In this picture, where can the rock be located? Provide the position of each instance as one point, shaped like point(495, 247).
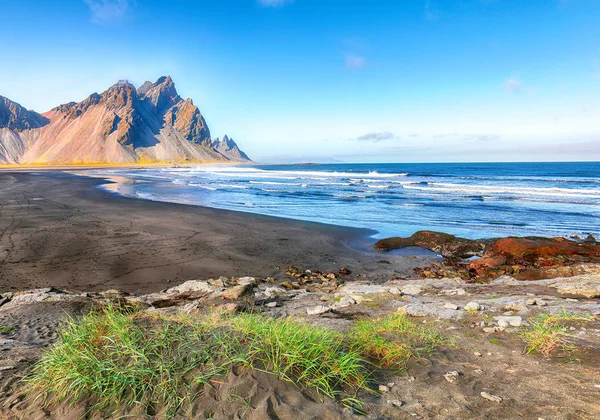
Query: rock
point(383, 388)
point(236, 292)
point(451, 306)
point(505, 321)
point(192, 286)
point(584, 286)
point(473, 306)
point(317, 310)
point(477, 354)
point(247, 280)
point(491, 397)
point(489, 330)
point(448, 246)
point(344, 272)
point(273, 292)
point(451, 376)
point(271, 305)
point(411, 290)
point(344, 302)
point(395, 403)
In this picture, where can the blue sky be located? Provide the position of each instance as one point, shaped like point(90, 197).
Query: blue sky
point(313, 80)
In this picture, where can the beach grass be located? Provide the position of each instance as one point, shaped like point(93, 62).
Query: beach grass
point(548, 333)
point(395, 339)
point(116, 360)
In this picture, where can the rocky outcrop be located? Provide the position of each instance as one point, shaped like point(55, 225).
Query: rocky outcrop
point(121, 125)
point(524, 258)
point(448, 246)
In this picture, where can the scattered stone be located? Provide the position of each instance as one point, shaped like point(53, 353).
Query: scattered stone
point(491, 397)
point(395, 403)
point(317, 310)
point(451, 306)
point(451, 376)
point(390, 385)
point(344, 272)
point(490, 330)
point(237, 292)
point(473, 306)
point(247, 280)
point(477, 354)
point(271, 305)
point(505, 321)
point(383, 388)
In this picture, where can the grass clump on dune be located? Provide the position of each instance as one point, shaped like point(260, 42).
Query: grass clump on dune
point(395, 339)
point(116, 361)
point(548, 333)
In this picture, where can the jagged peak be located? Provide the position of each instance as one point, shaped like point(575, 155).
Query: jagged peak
point(162, 95)
point(16, 117)
point(142, 90)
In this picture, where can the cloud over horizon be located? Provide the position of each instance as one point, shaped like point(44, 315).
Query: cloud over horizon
point(376, 137)
point(513, 85)
point(109, 11)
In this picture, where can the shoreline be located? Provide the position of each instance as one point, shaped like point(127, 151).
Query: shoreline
point(58, 229)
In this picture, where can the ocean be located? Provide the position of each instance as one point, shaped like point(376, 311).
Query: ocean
point(472, 200)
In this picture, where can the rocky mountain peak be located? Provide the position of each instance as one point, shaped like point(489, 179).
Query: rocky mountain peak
point(15, 117)
point(228, 148)
point(161, 95)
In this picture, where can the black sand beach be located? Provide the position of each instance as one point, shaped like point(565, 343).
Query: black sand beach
point(58, 229)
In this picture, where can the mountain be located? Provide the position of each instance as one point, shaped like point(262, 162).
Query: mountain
point(151, 124)
point(227, 147)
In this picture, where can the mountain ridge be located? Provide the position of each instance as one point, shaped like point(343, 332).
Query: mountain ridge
point(122, 125)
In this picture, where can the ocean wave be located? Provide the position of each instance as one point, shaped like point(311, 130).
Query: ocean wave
point(206, 187)
point(503, 189)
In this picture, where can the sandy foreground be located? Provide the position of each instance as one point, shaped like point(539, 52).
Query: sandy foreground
point(59, 230)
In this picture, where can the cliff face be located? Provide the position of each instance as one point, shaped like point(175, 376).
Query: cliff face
point(121, 125)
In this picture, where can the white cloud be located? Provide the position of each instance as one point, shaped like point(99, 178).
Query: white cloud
point(274, 3)
point(513, 85)
point(376, 137)
point(108, 11)
point(354, 61)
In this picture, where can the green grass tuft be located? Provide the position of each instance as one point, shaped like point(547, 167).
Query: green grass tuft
point(548, 333)
point(395, 339)
point(7, 329)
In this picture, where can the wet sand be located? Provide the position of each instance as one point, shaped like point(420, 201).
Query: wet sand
point(61, 230)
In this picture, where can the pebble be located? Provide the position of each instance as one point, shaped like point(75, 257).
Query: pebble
point(390, 385)
point(473, 306)
point(477, 354)
point(271, 305)
point(451, 306)
point(451, 376)
point(396, 403)
point(491, 397)
point(505, 321)
point(383, 388)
